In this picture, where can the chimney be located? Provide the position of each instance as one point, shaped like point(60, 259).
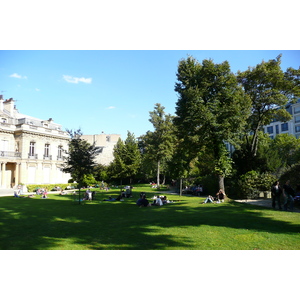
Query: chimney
point(9, 105)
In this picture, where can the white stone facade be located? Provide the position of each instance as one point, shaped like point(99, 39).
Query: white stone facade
point(107, 143)
point(31, 149)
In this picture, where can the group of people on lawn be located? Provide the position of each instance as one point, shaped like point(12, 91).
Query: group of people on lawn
point(287, 193)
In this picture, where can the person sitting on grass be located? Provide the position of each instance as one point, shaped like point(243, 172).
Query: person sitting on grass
point(220, 196)
point(143, 202)
point(157, 201)
point(45, 193)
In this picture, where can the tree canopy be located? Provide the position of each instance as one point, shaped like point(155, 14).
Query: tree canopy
point(212, 108)
point(270, 89)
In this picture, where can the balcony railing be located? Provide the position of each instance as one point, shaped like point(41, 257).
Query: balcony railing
point(10, 154)
point(47, 157)
point(32, 156)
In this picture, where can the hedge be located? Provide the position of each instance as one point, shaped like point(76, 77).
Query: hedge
point(33, 187)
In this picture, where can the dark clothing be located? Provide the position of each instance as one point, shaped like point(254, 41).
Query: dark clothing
point(289, 190)
point(276, 192)
point(142, 202)
point(221, 196)
point(289, 197)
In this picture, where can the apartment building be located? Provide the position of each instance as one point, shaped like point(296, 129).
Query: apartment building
point(290, 127)
point(31, 149)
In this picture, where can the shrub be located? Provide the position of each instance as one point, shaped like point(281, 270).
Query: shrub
point(251, 183)
point(33, 187)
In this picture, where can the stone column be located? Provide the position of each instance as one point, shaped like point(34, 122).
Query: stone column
point(17, 173)
point(3, 178)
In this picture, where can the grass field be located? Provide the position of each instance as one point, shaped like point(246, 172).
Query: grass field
point(57, 223)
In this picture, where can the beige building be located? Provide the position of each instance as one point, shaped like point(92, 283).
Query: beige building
point(107, 143)
point(31, 149)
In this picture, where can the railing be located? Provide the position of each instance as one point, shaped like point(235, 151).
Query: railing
point(34, 156)
point(48, 157)
point(10, 154)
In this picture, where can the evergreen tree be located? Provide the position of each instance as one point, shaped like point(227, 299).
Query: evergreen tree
point(127, 158)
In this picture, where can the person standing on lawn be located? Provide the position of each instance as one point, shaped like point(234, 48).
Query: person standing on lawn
point(276, 192)
point(289, 195)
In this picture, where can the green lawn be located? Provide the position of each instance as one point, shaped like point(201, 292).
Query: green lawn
point(58, 223)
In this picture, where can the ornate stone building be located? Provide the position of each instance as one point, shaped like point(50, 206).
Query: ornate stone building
point(31, 149)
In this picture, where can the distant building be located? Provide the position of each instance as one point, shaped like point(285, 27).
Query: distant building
point(291, 127)
point(107, 143)
point(31, 149)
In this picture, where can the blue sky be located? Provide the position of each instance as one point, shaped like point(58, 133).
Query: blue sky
point(109, 91)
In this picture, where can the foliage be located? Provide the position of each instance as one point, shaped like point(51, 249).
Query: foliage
point(288, 148)
point(101, 172)
point(269, 89)
point(127, 158)
point(158, 145)
point(33, 187)
point(80, 159)
point(88, 180)
point(212, 108)
point(267, 158)
point(251, 183)
point(292, 174)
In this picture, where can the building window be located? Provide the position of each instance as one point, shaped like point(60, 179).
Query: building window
point(297, 110)
point(297, 128)
point(270, 129)
point(297, 119)
point(108, 138)
point(284, 127)
point(3, 120)
point(32, 149)
point(277, 129)
point(59, 153)
point(47, 150)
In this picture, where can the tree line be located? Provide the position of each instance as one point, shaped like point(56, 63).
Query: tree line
point(214, 107)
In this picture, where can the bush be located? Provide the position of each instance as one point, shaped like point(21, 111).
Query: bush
point(33, 187)
point(251, 183)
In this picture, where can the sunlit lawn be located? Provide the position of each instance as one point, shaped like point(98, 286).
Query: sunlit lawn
point(58, 223)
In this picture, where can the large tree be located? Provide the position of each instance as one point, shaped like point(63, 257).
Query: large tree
point(127, 158)
point(159, 144)
point(80, 158)
point(270, 90)
point(211, 108)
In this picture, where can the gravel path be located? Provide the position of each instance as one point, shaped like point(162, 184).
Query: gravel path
point(263, 202)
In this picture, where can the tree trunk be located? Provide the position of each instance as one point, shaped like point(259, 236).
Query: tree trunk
point(221, 183)
point(180, 187)
point(158, 171)
point(164, 180)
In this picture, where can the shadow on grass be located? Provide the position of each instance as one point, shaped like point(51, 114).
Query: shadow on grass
point(57, 224)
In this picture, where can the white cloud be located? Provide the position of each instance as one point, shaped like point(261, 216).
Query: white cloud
point(111, 107)
point(37, 89)
point(16, 75)
point(77, 79)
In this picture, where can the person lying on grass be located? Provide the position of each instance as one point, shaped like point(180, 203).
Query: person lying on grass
point(209, 199)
